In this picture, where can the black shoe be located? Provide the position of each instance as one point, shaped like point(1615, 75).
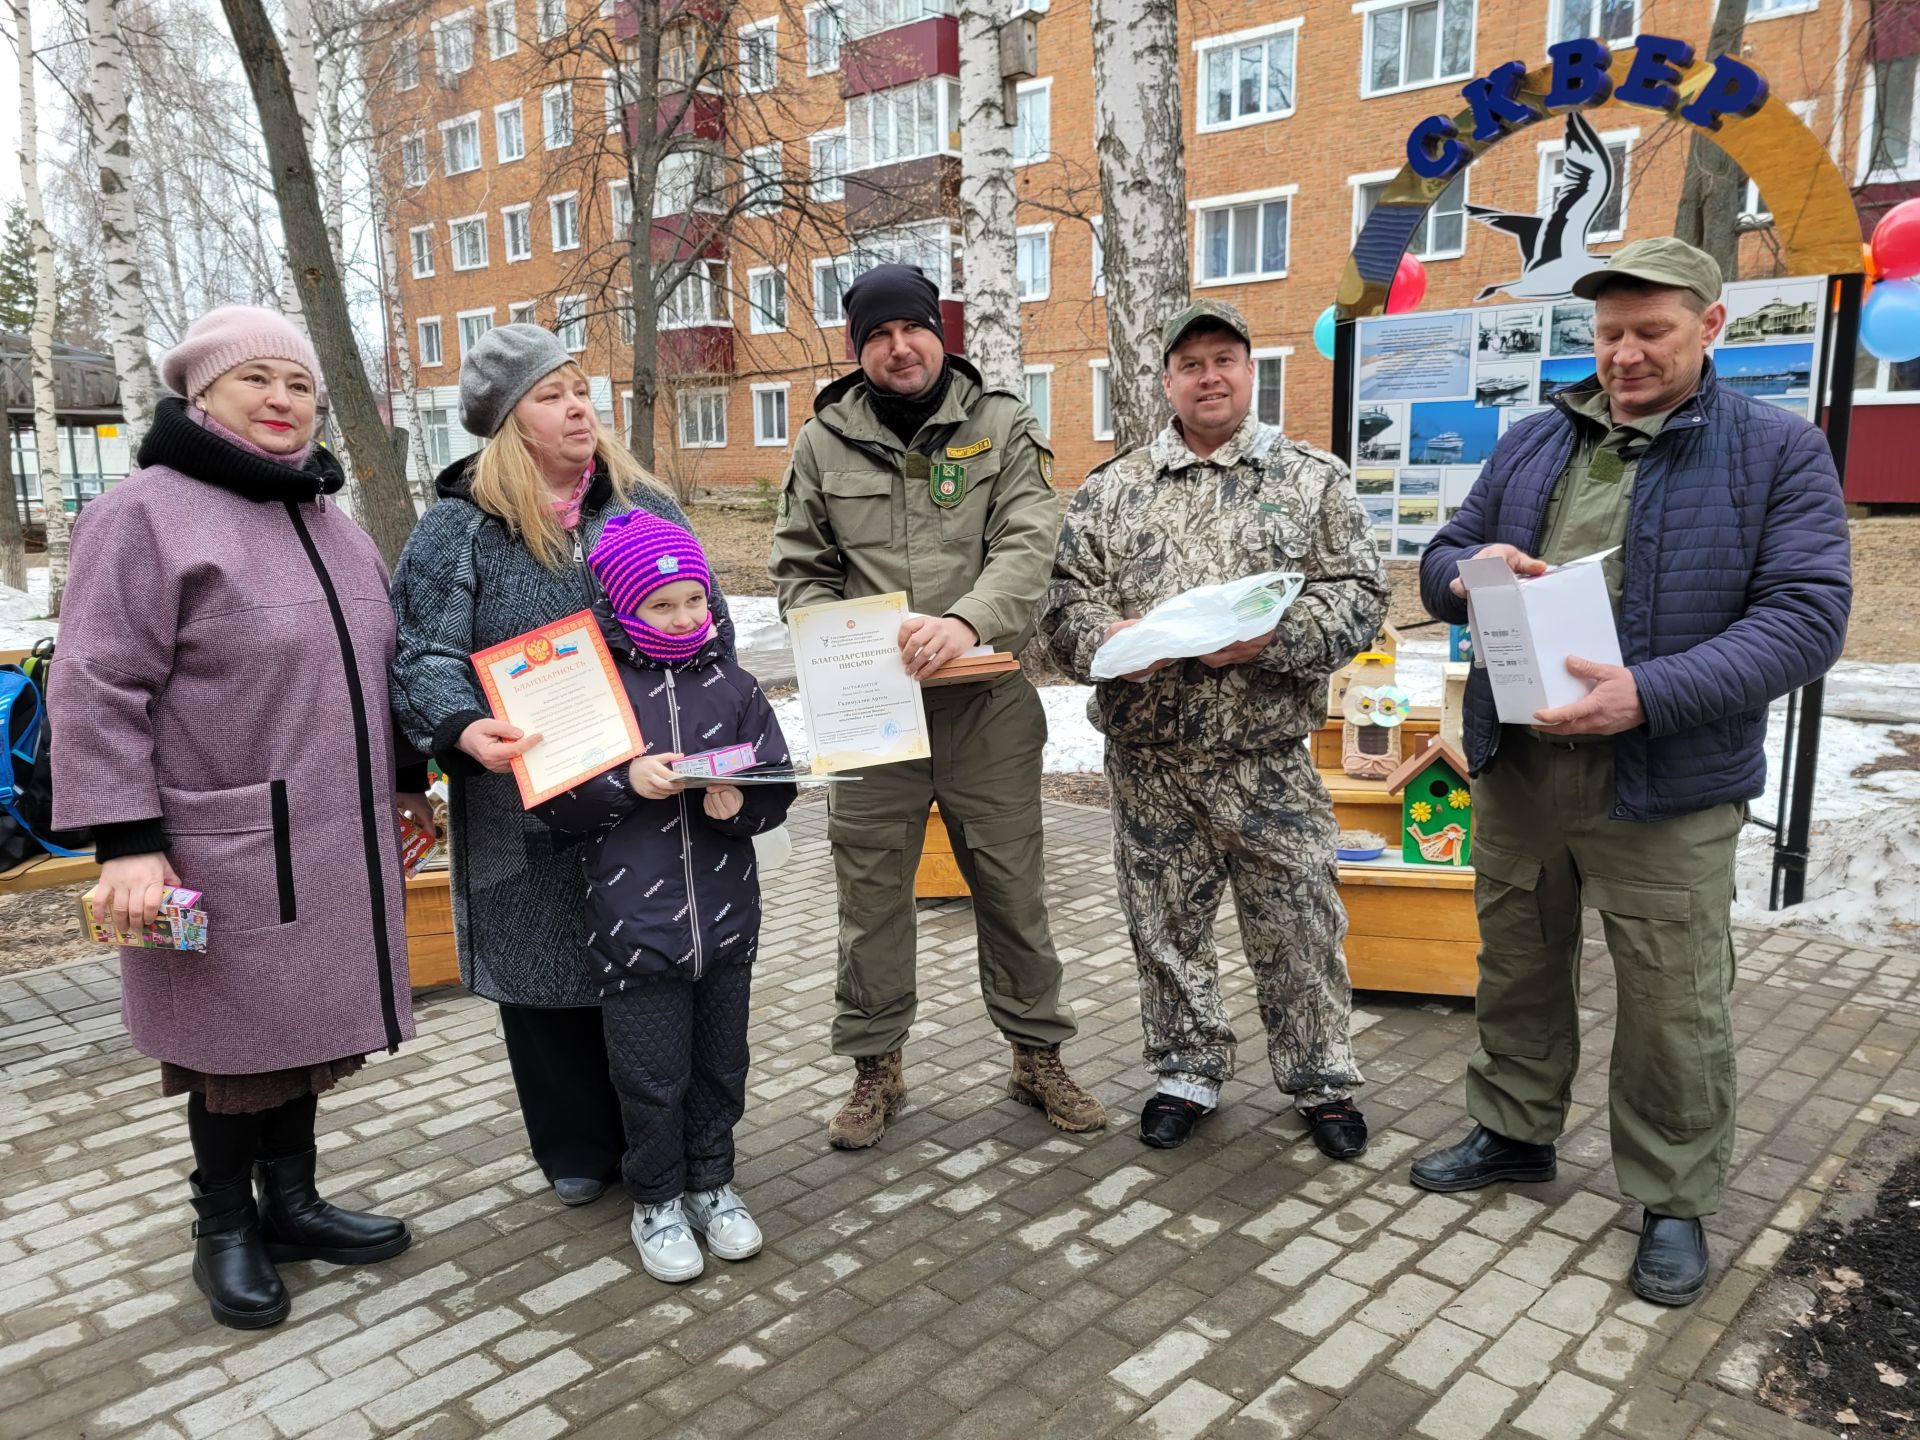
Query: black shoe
point(1338, 1129)
point(298, 1225)
point(1482, 1158)
point(578, 1190)
point(1670, 1267)
point(1167, 1121)
point(230, 1261)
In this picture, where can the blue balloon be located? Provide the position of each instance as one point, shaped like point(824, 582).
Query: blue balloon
point(1889, 321)
point(1323, 329)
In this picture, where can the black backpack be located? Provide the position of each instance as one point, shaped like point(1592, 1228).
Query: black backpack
point(26, 767)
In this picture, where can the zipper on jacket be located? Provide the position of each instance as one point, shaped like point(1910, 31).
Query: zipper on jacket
point(370, 814)
point(686, 825)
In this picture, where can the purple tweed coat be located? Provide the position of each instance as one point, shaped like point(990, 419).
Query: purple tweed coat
point(222, 669)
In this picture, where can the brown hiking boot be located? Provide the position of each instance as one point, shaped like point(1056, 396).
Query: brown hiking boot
point(878, 1089)
point(1040, 1080)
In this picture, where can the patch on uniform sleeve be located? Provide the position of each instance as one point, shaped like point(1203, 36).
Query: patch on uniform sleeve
point(1046, 466)
point(967, 452)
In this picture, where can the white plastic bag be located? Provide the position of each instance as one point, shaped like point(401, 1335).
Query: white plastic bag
point(1199, 621)
point(772, 849)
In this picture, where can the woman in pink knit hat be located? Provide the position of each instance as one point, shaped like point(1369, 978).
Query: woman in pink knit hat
point(222, 724)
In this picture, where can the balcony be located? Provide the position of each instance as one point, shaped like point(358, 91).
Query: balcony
point(900, 55)
point(698, 232)
point(704, 116)
point(626, 17)
point(697, 350)
point(900, 194)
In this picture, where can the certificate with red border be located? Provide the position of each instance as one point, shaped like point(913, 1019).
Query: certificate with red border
point(559, 682)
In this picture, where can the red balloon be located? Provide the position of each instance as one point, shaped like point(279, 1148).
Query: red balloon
point(1409, 286)
point(1896, 242)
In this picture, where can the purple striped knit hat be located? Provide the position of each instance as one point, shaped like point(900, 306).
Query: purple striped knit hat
point(637, 553)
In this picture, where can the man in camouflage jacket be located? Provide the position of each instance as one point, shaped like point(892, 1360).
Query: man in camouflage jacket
point(1210, 779)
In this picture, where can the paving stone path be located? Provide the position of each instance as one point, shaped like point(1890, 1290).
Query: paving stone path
point(976, 1275)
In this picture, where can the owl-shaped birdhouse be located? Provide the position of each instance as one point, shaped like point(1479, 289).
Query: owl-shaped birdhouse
point(1436, 807)
point(1372, 711)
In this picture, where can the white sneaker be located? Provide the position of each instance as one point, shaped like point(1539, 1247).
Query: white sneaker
point(667, 1248)
point(721, 1215)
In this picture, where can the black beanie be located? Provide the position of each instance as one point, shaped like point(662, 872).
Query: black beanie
point(892, 292)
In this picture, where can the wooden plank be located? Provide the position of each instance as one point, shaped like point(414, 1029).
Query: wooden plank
point(45, 872)
point(938, 876)
point(1432, 967)
point(432, 958)
point(1412, 914)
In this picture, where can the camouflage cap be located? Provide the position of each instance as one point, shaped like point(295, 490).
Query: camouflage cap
point(1662, 260)
point(1212, 312)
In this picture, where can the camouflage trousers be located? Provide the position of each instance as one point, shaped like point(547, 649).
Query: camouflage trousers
point(1185, 826)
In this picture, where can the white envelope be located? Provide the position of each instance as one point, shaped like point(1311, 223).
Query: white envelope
point(1525, 628)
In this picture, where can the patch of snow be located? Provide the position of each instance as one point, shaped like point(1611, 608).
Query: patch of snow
point(22, 613)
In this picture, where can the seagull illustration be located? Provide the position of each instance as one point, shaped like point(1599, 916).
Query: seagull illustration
point(1553, 247)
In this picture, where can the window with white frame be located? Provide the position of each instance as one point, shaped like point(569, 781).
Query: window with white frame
point(904, 123)
point(1032, 121)
point(760, 185)
point(1441, 235)
point(612, 100)
point(413, 159)
point(1033, 261)
point(469, 242)
point(570, 321)
point(1892, 133)
point(420, 245)
point(760, 55)
point(550, 17)
point(1030, 7)
point(436, 427)
point(502, 40)
point(827, 165)
point(406, 62)
point(473, 324)
point(699, 299)
point(1102, 400)
point(509, 136)
point(1270, 385)
point(680, 52)
point(1040, 395)
point(460, 144)
point(1246, 76)
point(556, 116)
point(623, 316)
point(1754, 214)
point(870, 17)
point(563, 214)
point(453, 44)
point(825, 31)
point(524, 312)
point(516, 227)
point(766, 301)
point(1885, 382)
point(770, 414)
point(1422, 43)
point(620, 208)
point(429, 332)
point(703, 419)
point(1603, 19)
point(932, 246)
point(1244, 237)
point(1099, 226)
point(830, 281)
point(1762, 9)
point(1610, 221)
point(689, 180)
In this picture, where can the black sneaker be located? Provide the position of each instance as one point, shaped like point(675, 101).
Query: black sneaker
point(1338, 1128)
point(1167, 1121)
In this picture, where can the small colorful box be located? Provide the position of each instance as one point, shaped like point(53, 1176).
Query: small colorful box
point(712, 764)
point(180, 925)
point(416, 843)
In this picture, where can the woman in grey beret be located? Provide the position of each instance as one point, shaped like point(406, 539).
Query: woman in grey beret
point(503, 551)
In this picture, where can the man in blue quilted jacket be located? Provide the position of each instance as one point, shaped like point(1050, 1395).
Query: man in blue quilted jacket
point(1731, 583)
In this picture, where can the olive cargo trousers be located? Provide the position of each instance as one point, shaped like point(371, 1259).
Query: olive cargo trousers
point(1543, 844)
point(987, 741)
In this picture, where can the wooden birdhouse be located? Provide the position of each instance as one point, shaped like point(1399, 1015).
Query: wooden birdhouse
point(1386, 643)
point(1372, 712)
point(1436, 807)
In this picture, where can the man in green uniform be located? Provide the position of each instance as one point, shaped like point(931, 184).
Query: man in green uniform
point(912, 475)
point(1730, 582)
point(1211, 782)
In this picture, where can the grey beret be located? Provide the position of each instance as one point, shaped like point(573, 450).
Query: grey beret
point(500, 368)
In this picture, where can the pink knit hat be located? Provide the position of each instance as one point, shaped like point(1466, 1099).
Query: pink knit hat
point(230, 336)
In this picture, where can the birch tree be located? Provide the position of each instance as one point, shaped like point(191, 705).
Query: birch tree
point(1143, 198)
point(53, 495)
point(989, 243)
point(119, 224)
point(1709, 213)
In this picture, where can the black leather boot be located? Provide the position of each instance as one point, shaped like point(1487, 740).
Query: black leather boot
point(1481, 1159)
point(299, 1225)
point(230, 1261)
point(1670, 1266)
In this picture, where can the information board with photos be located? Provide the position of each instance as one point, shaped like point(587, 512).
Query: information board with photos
point(1436, 390)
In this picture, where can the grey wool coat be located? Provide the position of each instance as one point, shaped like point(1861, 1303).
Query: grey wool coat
point(463, 583)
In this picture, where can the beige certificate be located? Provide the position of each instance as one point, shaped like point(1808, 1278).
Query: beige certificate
point(860, 705)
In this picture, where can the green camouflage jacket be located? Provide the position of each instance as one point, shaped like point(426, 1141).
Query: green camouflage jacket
point(963, 521)
point(1159, 520)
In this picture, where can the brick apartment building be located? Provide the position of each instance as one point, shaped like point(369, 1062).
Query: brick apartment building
point(502, 168)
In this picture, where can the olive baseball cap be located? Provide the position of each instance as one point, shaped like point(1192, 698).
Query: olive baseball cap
point(1209, 312)
point(1661, 260)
